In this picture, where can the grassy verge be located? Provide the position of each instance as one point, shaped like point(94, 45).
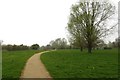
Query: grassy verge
point(13, 62)
point(76, 64)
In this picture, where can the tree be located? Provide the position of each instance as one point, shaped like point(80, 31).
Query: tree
point(63, 43)
point(116, 43)
point(100, 44)
point(48, 47)
point(35, 46)
point(76, 42)
point(58, 43)
point(87, 22)
point(43, 48)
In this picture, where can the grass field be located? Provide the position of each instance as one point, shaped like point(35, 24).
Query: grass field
point(76, 64)
point(13, 62)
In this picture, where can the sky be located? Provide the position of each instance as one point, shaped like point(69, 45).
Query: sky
point(36, 21)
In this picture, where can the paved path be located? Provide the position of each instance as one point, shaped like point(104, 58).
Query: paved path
point(34, 68)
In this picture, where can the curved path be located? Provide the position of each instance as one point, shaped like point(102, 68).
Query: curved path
point(34, 68)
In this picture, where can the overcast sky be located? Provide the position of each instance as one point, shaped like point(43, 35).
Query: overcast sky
point(35, 21)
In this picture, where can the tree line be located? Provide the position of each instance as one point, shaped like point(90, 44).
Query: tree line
point(19, 47)
point(61, 43)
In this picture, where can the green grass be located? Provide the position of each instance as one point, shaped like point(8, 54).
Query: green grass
point(76, 64)
point(13, 62)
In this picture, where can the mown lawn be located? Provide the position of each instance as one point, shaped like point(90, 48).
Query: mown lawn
point(76, 64)
point(13, 62)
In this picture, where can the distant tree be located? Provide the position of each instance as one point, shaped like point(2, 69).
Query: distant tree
point(43, 48)
point(76, 42)
point(58, 43)
point(116, 43)
point(110, 44)
point(9, 47)
point(63, 43)
point(15, 47)
point(53, 44)
point(99, 44)
point(35, 46)
point(48, 47)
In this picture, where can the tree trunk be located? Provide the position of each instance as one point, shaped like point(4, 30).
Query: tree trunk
point(81, 48)
point(90, 47)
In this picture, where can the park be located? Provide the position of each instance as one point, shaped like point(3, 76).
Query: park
point(84, 53)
